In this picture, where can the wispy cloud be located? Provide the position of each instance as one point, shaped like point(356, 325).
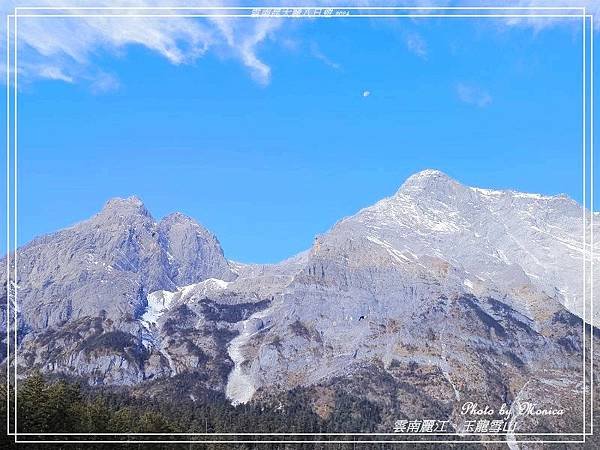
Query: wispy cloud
point(242, 39)
point(537, 23)
point(473, 95)
point(65, 49)
point(104, 82)
point(54, 73)
point(317, 53)
point(416, 44)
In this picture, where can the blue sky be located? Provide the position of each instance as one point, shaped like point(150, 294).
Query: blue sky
point(267, 161)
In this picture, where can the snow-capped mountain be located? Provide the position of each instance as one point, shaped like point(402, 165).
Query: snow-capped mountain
point(419, 267)
point(496, 242)
point(452, 290)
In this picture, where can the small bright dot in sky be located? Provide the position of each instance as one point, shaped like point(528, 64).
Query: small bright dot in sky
point(366, 93)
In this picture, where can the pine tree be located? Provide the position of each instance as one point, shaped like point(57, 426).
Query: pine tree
point(123, 421)
point(152, 422)
point(96, 417)
point(32, 406)
point(63, 400)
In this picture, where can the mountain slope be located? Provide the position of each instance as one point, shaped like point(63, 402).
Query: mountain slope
point(465, 286)
point(100, 272)
point(111, 262)
point(502, 241)
point(442, 292)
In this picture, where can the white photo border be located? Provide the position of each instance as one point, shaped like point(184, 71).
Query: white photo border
point(215, 11)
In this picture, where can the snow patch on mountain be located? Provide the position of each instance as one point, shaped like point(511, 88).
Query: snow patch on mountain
point(158, 303)
point(241, 386)
point(206, 287)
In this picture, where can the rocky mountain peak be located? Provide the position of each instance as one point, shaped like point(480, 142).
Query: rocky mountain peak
point(177, 217)
point(129, 206)
point(428, 178)
point(422, 283)
point(195, 252)
point(182, 221)
point(186, 227)
point(432, 183)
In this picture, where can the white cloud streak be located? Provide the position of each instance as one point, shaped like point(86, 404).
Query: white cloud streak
point(316, 52)
point(538, 23)
point(416, 44)
point(54, 73)
point(66, 49)
point(473, 95)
